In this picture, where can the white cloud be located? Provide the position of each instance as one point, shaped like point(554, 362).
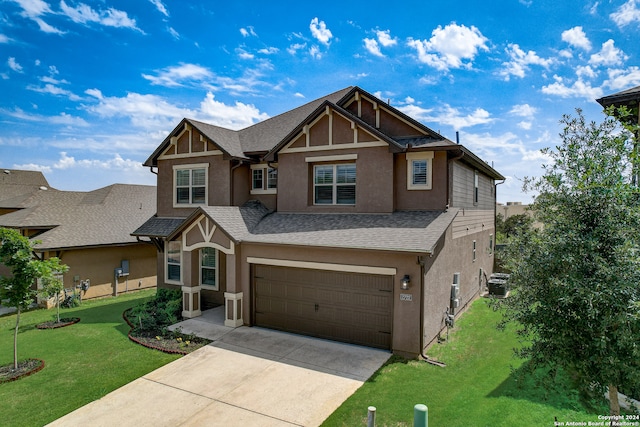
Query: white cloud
point(178, 75)
point(523, 110)
point(372, 46)
point(32, 167)
point(4, 39)
point(14, 65)
point(174, 33)
point(294, 48)
point(269, 50)
point(586, 71)
point(298, 95)
point(445, 115)
point(34, 10)
point(243, 54)
point(579, 89)
point(320, 31)
point(520, 62)
point(623, 78)
point(314, 52)
point(235, 116)
point(626, 14)
point(249, 31)
point(609, 55)
point(576, 38)
point(111, 17)
point(63, 119)
point(51, 89)
point(450, 46)
point(117, 163)
point(160, 6)
point(385, 39)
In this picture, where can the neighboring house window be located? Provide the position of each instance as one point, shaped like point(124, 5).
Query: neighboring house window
point(419, 170)
point(209, 268)
point(475, 187)
point(174, 260)
point(264, 179)
point(190, 185)
point(474, 251)
point(334, 184)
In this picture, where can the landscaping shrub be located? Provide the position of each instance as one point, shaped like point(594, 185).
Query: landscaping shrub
point(154, 316)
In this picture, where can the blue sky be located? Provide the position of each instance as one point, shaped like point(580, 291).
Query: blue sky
point(90, 89)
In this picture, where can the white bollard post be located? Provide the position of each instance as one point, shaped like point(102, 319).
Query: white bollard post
point(371, 417)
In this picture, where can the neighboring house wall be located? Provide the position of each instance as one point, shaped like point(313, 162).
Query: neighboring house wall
point(98, 264)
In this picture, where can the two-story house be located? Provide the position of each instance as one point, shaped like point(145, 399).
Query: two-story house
point(343, 219)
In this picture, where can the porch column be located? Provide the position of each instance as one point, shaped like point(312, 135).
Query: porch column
point(233, 296)
point(190, 290)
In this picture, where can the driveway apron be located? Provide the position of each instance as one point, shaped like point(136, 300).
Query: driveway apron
point(247, 376)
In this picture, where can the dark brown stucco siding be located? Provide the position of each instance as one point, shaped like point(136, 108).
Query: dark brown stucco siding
point(374, 181)
point(434, 199)
point(406, 314)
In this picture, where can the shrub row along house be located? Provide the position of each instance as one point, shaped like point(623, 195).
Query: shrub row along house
point(343, 219)
point(89, 231)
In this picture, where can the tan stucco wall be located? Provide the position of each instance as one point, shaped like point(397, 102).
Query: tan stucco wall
point(374, 181)
point(98, 266)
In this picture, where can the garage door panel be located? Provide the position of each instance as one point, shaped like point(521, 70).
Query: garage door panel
point(350, 307)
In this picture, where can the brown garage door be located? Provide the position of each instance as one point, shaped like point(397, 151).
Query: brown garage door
point(350, 307)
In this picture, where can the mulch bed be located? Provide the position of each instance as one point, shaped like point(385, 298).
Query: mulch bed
point(179, 345)
point(25, 368)
point(53, 324)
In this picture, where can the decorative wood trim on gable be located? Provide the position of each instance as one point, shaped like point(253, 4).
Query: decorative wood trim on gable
point(330, 145)
point(206, 238)
point(172, 152)
point(377, 107)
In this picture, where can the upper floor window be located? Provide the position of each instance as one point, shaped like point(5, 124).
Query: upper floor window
point(209, 268)
point(419, 170)
point(334, 184)
point(173, 261)
point(475, 187)
point(190, 185)
point(264, 179)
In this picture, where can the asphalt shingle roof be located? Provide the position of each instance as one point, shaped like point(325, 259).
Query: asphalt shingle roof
point(17, 186)
point(106, 216)
point(406, 231)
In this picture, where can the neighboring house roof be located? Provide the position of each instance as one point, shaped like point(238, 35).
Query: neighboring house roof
point(17, 186)
point(619, 98)
point(72, 219)
point(404, 231)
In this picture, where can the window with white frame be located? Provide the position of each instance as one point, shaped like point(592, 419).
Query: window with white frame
point(209, 268)
point(190, 185)
point(474, 251)
point(334, 184)
point(475, 187)
point(419, 170)
point(264, 179)
point(173, 260)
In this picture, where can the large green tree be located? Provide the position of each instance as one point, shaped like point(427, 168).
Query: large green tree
point(576, 282)
point(16, 253)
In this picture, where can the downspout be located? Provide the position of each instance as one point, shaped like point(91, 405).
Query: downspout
point(426, 358)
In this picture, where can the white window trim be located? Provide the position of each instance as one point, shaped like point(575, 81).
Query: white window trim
point(265, 179)
point(166, 265)
point(217, 285)
point(422, 155)
point(176, 168)
point(334, 185)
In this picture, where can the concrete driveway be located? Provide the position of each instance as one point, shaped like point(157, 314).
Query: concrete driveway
point(247, 376)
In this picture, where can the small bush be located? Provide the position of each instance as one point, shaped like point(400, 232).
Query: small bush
point(154, 316)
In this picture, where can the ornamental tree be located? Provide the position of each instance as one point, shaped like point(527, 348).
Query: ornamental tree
point(16, 253)
point(576, 282)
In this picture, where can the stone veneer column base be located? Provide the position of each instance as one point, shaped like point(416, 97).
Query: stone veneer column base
point(233, 309)
point(191, 301)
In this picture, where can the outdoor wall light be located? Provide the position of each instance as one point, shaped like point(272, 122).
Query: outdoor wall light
point(404, 283)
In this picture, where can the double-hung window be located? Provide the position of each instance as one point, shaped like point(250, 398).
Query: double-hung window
point(419, 170)
point(334, 184)
point(209, 268)
point(190, 185)
point(264, 179)
point(174, 261)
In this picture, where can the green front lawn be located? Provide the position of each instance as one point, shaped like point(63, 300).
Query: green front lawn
point(482, 385)
point(84, 361)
